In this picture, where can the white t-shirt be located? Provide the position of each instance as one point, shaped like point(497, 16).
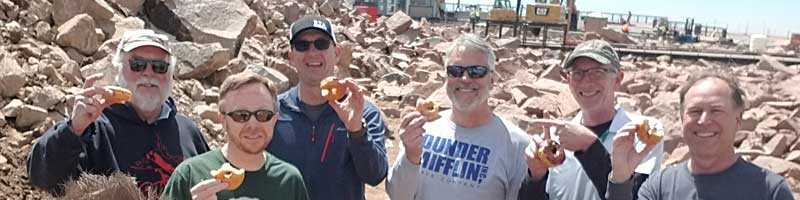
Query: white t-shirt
point(486, 162)
point(569, 181)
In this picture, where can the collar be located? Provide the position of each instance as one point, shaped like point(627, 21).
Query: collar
point(620, 118)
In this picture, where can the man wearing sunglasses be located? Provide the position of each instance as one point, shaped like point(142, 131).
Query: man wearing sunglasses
point(248, 113)
point(468, 153)
point(593, 74)
point(337, 145)
point(145, 137)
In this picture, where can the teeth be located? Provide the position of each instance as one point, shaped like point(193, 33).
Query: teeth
point(588, 93)
point(465, 89)
point(705, 134)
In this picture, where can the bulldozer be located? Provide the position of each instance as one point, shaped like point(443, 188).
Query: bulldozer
point(502, 11)
point(543, 12)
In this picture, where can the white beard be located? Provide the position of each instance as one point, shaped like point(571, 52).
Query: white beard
point(145, 102)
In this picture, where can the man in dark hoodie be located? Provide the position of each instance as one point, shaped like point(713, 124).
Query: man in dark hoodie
point(144, 137)
point(336, 145)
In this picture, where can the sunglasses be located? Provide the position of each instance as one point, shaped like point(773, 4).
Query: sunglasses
point(243, 116)
point(320, 44)
point(474, 72)
point(140, 64)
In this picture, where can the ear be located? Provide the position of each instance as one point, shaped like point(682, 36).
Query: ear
point(337, 50)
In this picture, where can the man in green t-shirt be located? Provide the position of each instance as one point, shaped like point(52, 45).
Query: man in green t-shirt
point(247, 111)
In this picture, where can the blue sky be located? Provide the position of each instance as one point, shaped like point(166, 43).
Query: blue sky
point(776, 16)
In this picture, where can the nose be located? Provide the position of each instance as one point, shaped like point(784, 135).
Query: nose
point(703, 118)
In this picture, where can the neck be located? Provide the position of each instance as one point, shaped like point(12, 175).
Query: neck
point(310, 95)
point(246, 161)
point(711, 164)
point(596, 117)
point(148, 116)
point(472, 118)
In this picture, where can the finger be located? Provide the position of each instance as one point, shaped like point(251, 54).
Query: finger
point(203, 185)
point(646, 150)
point(89, 82)
point(546, 133)
point(92, 91)
point(351, 85)
point(408, 118)
point(211, 189)
point(548, 122)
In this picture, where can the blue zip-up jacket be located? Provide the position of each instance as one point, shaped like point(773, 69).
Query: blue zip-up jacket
point(117, 141)
point(334, 166)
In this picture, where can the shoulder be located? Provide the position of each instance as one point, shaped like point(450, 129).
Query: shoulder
point(515, 134)
point(282, 167)
point(184, 121)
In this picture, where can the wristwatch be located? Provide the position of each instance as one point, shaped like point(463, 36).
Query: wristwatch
point(360, 132)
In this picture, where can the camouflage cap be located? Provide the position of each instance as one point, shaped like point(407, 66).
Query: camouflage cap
point(598, 50)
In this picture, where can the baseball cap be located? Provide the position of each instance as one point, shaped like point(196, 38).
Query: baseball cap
point(144, 37)
point(598, 50)
point(310, 22)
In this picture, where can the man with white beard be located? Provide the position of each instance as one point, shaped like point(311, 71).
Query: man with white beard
point(144, 137)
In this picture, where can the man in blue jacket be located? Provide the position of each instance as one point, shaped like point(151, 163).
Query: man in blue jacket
point(145, 137)
point(338, 145)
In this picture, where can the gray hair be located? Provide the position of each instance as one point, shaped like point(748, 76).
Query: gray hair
point(121, 56)
point(469, 40)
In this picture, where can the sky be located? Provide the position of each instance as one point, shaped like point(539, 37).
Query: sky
point(776, 17)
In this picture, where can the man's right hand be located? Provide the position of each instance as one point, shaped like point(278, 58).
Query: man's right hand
point(536, 166)
point(411, 135)
point(87, 108)
point(207, 190)
point(624, 157)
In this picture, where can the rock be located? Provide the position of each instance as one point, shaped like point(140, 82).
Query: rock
point(776, 165)
point(103, 66)
point(515, 115)
point(291, 12)
point(15, 31)
point(119, 26)
point(12, 108)
point(326, 8)
point(207, 112)
point(46, 97)
point(613, 36)
point(638, 87)
point(777, 145)
point(792, 122)
point(749, 120)
point(199, 60)
point(285, 68)
point(553, 72)
point(206, 21)
point(71, 72)
point(43, 32)
point(2, 120)
point(770, 64)
point(29, 115)
point(78, 33)
point(99, 10)
point(399, 22)
point(12, 76)
point(521, 92)
point(281, 81)
point(128, 7)
point(793, 156)
point(664, 59)
point(680, 154)
point(510, 43)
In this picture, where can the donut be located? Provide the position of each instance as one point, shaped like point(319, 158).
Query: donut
point(428, 109)
point(331, 89)
point(648, 135)
point(118, 95)
point(230, 175)
point(551, 153)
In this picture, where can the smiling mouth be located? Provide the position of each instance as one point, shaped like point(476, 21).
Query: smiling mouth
point(588, 94)
point(148, 85)
point(314, 64)
point(706, 134)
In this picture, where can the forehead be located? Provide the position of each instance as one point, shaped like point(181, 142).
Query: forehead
point(709, 91)
point(465, 55)
point(251, 95)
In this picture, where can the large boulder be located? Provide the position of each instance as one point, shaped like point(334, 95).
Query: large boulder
point(99, 10)
point(399, 22)
point(276, 77)
point(78, 32)
point(199, 60)
point(12, 77)
point(206, 21)
point(129, 7)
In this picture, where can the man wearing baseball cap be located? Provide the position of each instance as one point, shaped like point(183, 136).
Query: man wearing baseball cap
point(144, 137)
point(337, 145)
point(593, 74)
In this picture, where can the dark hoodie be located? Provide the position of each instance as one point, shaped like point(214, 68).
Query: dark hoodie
point(117, 141)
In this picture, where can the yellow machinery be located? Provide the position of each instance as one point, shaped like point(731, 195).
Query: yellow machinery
point(550, 13)
point(502, 11)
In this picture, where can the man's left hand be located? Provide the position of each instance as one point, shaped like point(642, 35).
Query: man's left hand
point(351, 110)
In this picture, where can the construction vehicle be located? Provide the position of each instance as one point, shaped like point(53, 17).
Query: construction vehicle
point(551, 13)
point(502, 11)
point(690, 32)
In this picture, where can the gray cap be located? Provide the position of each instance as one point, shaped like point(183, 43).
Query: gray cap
point(598, 50)
point(144, 37)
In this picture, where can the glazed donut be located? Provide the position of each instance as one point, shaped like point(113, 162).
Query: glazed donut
point(118, 95)
point(331, 89)
point(550, 152)
point(648, 135)
point(428, 109)
point(230, 175)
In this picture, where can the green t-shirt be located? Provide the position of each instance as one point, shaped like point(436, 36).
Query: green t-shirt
point(277, 180)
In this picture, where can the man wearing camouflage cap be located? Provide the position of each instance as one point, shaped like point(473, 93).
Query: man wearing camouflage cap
point(145, 137)
point(593, 74)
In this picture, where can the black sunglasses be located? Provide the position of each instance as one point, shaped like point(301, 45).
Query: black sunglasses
point(140, 64)
point(320, 44)
point(475, 71)
point(243, 116)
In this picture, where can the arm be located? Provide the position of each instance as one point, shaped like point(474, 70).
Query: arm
point(54, 157)
point(782, 192)
point(368, 150)
point(404, 178)
point(620, 191)
point(533, 189)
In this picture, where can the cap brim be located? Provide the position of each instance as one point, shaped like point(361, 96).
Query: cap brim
point(301, 31)
point(594, 56)
point(136, 44)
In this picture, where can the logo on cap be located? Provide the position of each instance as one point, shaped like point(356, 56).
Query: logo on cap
point(320, 24)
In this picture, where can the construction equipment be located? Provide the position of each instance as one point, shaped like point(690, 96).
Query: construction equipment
point(502, 11)
point(551, 13)
point(689, 34)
